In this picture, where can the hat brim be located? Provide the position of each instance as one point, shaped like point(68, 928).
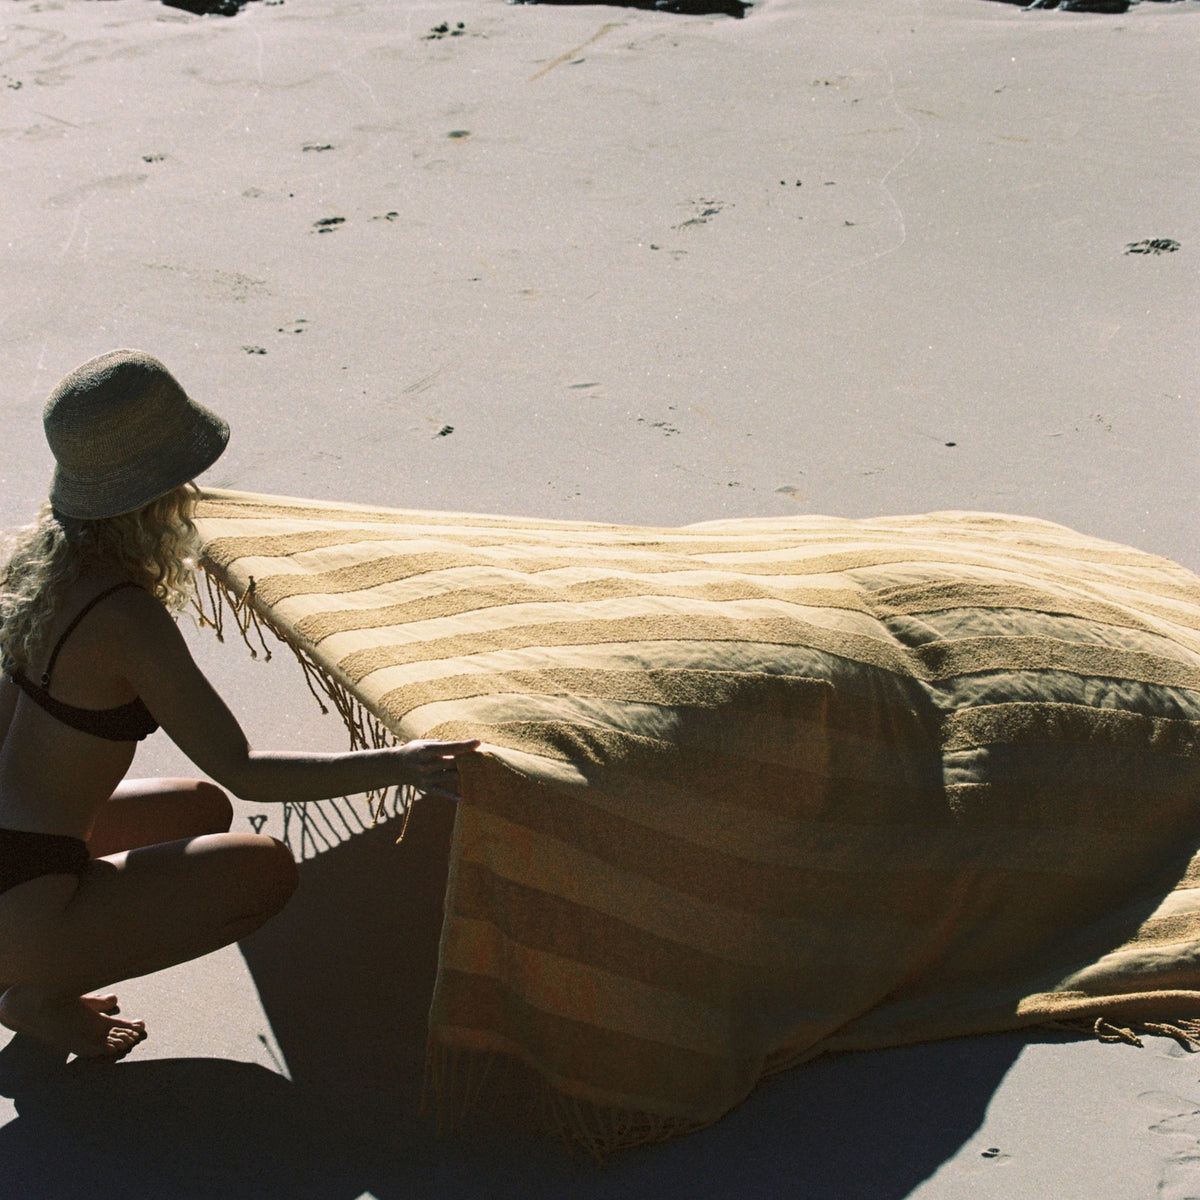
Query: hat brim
point(97, 499)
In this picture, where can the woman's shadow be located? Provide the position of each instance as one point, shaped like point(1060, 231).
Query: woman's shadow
point(200, 1127)
point(345, 976)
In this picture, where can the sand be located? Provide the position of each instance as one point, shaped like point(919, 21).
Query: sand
point(840, 256)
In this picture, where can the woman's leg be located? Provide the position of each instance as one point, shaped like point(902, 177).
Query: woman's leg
point(143, 812)
point(129, 915)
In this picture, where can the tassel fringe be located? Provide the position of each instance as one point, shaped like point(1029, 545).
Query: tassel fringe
point(308, 828)
point(461, 1083)
point(1185, 1032)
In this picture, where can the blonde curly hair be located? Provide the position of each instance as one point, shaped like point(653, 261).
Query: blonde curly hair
point(153, 547)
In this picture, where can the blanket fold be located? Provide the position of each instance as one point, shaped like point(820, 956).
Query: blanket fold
point(758, 790)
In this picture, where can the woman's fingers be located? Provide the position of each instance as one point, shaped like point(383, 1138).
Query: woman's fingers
point(435, 768)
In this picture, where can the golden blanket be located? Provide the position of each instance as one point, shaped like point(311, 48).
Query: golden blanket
point(756, 790)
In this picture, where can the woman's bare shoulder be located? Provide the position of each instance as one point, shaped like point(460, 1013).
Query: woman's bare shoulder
point(125, 626)
point(135, 614)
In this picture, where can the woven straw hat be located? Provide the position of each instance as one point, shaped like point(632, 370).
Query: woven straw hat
point(123, 432)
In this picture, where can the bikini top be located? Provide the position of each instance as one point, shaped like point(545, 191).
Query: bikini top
point(125, 723)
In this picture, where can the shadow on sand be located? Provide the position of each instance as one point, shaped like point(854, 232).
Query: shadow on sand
point(345, 976)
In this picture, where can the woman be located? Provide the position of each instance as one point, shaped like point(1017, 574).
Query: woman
point(100, 879)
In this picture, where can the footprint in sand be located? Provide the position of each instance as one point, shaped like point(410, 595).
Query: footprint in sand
point(110, 183)
point(705, 210)
point(668, 430)
point(1180, 1178)
point(1153, 246)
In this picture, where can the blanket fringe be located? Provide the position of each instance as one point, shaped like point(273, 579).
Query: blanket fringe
point(1185, 1032)
point(460, 1083)
point(331, 822)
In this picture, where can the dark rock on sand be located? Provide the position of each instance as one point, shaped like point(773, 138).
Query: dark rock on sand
point(1092, 6)
point(221, 8)
point(730, 8)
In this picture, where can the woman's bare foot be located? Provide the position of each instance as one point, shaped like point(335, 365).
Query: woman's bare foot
point(78, 1025)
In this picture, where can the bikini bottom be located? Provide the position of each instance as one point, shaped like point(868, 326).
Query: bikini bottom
point(25, 856)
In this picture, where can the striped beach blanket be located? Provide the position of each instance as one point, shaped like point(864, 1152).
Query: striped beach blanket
point(757, 790)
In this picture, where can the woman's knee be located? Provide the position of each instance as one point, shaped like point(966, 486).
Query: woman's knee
point(277, 873)
point(249, 876)
point(213, 807)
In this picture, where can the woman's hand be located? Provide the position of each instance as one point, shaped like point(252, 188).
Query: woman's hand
point(432, 767)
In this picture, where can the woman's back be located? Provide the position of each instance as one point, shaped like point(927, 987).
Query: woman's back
point(53, 776)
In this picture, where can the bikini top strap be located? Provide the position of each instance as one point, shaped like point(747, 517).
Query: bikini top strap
point(83, 612)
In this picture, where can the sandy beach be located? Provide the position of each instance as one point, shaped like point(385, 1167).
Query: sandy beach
point(594, 262)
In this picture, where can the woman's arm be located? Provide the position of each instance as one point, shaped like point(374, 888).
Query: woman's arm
point(151, 653)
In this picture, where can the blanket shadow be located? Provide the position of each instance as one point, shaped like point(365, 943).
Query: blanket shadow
point(366, 922)
point(345, 976)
